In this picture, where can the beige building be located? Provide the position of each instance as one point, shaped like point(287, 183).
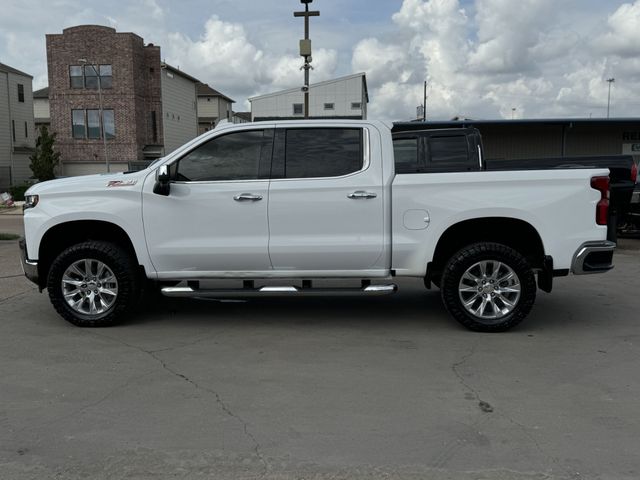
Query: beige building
point(41, 112)
point(17, 130)
point(213, 107)
point(179, 104)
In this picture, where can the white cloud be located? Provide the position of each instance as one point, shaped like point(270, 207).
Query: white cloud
point(623, 37)
point(481, 57)
point(226, 58)
point(541, 57)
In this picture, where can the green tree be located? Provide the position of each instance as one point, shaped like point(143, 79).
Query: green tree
point(44, 160)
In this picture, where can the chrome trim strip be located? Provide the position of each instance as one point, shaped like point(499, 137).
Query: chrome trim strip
point(577, 265)
point(276, 291)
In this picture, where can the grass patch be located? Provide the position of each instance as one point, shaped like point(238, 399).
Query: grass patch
point(9, 236)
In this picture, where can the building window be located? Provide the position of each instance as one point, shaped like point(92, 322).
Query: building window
point(106, 77)
point(297, 108)
point(93, 124)
point(21, 93)
point(86, 124)
point(78, 123)
point(90, 77)
point(87, 76)
point(13, 129)
point(356, 106)
point(75, 74)
point(26, 130)
point(329, 106)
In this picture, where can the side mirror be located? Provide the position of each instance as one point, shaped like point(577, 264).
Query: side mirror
point(163, 185)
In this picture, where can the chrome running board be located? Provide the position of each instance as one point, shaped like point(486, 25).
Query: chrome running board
point(279, 291)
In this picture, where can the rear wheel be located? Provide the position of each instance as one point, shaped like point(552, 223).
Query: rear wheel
point(488, 287)
point(93, 284)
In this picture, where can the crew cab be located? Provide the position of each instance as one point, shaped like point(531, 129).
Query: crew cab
point(278, 208)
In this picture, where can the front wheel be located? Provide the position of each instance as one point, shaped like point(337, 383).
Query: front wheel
point(488, 287)
point(93, 284)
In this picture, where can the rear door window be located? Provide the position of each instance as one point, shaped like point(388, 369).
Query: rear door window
point(321, 152)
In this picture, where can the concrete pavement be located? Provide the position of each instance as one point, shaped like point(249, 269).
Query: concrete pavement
point(341, 388)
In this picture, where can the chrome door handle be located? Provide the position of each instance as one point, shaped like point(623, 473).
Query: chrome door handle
point(247, 196)
point(362, 194)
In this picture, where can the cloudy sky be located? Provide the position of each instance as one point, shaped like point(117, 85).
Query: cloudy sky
point(482, 58)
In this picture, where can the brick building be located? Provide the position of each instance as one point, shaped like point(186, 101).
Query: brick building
point(148, 108)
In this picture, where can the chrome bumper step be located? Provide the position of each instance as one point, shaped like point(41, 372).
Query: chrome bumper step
point(278, 291)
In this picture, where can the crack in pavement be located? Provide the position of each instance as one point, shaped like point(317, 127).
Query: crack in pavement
point(483, 405)
point(223, 406)
point(487, 408)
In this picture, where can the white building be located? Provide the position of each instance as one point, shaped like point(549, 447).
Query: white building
point(344, 97)
point(17, 130)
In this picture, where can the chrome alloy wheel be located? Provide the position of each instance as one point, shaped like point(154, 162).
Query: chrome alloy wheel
point(89, 287)
point(489, 290)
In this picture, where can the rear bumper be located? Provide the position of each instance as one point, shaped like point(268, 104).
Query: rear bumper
point(30, 268)
point(593, 257)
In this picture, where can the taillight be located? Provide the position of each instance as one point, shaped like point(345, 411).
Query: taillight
point(634, 172)
point(602, 208)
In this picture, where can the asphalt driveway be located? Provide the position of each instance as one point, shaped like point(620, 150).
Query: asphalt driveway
point(347, 388)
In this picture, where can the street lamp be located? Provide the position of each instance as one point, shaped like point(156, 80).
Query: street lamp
point(513, 113)
point(85, 62)
point(610, 81)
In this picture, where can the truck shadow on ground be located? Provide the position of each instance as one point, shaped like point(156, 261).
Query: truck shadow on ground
point(409, 309)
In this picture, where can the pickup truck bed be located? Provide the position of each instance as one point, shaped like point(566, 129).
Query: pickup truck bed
point(622, 169)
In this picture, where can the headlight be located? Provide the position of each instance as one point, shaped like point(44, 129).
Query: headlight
point(30, 201)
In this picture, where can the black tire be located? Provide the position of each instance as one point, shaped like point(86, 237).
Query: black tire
point(466, 259)
point(120, 262)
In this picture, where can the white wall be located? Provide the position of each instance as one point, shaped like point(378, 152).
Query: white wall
point(342, 93)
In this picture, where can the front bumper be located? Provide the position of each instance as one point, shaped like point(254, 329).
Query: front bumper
point(30, 268)
point(593, 257)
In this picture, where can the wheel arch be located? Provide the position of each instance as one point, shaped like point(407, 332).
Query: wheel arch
point(512, 232)
point(63, 235)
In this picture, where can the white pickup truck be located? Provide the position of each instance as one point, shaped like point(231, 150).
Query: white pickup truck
point(277, 208)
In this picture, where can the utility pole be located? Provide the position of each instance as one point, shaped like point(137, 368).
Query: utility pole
point(305, 50)
point(610, 81)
